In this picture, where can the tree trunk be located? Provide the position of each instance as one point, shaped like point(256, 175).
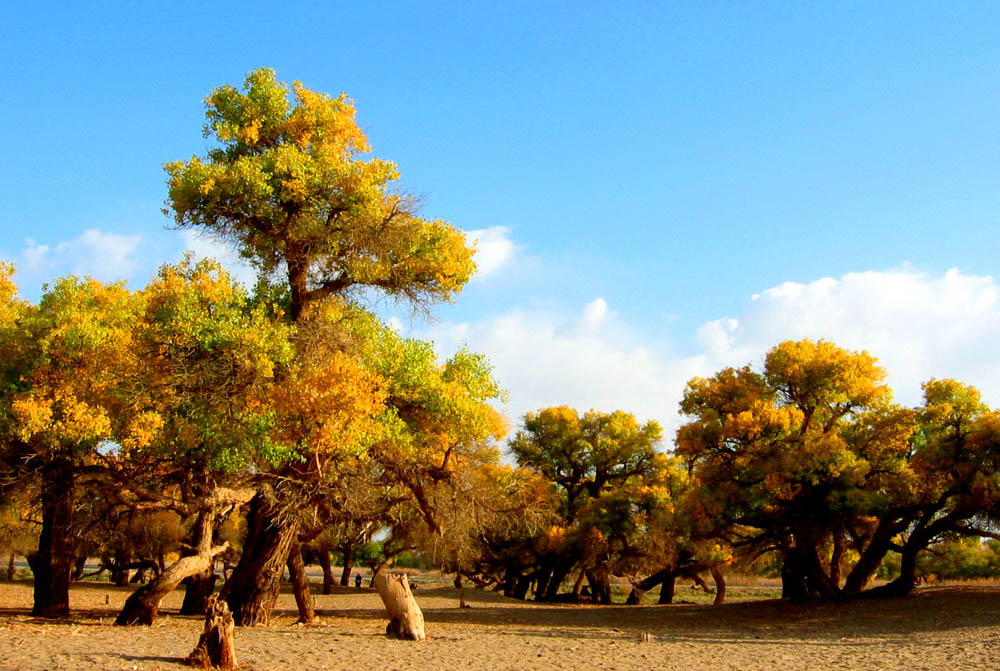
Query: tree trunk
point(324, 561)
point(667, 589)
point(52, 565)
point(871, 557)
point(200, 586)
point(348, 551)
point(119, 563)
point(300, 584)
point(254, 585)
point(646, 584)
point(720, 587)
point(836, 556)
point(298, 274)
point(10, 567)
point(215, 649)
point(902, 585)
point(559, 573)
point(142, 605)
point(510, 579)
point(78, 565)
point(543, 577)
point(405, 618)
point(600, 586)
point(793, 578)
point(802, 574)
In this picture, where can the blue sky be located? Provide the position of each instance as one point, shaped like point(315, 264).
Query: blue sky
point(660, 189)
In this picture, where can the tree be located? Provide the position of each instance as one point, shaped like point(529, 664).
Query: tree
point(773, 465)
point(593, 460)
point(289, 185)
point(327, 406)
point(950, 488)
point(72, 356)
point(210, 356)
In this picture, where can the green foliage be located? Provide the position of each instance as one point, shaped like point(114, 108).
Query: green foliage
point(962, 559)
point(585, 456)
point(289, 184)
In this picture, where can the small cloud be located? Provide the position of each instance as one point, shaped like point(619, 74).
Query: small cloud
point(494, 249)
point(34, 254)
point(103, 256)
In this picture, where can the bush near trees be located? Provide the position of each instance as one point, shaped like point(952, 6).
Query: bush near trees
point(197, 420)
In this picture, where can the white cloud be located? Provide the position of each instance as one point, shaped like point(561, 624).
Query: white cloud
point(494, 249)
point(204, 246)
point(589, 360)
point(919, 326)
point(103, 256)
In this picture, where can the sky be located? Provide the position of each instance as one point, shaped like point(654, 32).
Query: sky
point(658, 190)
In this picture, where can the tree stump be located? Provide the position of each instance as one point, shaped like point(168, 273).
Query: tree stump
point(215, 647)
point(405, 618)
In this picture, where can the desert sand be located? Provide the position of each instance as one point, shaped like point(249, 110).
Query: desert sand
point(936, 628)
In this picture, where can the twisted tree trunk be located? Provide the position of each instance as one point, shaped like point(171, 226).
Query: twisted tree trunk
point(253, 587)
point(142, 605)
point(199, 587)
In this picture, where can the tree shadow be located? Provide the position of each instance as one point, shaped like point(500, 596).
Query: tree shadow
point(855, 622)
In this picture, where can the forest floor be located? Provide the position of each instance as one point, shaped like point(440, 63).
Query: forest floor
point(940, 627)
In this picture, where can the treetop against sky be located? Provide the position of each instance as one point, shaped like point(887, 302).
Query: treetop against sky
point(657, 190)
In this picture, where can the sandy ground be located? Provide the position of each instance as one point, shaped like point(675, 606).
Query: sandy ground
point(937, 628)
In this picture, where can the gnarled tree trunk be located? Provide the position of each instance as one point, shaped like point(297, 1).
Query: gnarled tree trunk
point(199, 587)
point(559, 574)
point(871, 557)
point(646, 584)
point(142, 605)
point(253, 588)
point(667, 589)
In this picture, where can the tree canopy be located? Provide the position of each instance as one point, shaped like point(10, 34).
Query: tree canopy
point(290, 185)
